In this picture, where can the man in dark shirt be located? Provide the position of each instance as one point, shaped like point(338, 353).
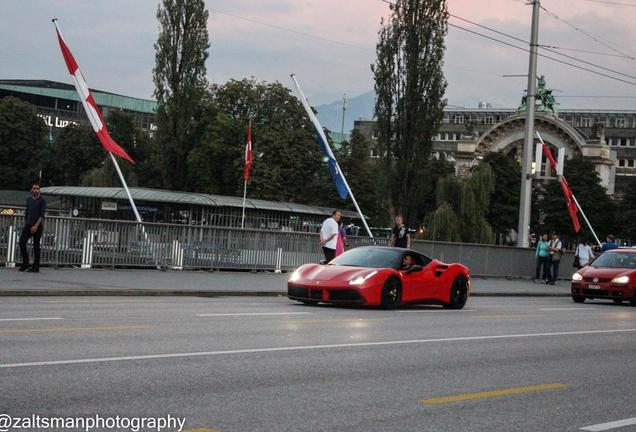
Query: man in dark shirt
point(33, 220)
point(609, 244)
point(400, 236)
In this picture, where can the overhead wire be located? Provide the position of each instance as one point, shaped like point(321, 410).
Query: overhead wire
point(589, 35)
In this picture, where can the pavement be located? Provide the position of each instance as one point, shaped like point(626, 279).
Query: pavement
point(238, 364)
point(101, 282)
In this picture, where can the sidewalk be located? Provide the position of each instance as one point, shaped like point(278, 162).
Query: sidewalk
point(153, 282)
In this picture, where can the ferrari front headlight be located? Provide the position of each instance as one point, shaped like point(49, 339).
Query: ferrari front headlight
point(577, 277)
point(360, 279)
point(621, 280)
point(295, 276)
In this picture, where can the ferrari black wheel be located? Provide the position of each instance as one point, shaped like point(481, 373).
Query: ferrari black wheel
point(458, 293)
point(391, 293)
point(578, 299)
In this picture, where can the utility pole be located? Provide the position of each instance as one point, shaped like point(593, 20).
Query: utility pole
point(528, 141)
point(344, 108)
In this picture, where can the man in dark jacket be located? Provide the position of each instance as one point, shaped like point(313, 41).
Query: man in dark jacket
point(33, 226)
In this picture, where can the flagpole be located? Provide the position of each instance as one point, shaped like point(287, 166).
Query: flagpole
point(587, 221)
point(305, 102)
point(244, 196)
point(123, 182)
point(249, 143)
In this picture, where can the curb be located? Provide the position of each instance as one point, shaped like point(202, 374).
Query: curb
point(204, 293)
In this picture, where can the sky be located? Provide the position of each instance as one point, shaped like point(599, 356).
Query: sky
point(328, 44)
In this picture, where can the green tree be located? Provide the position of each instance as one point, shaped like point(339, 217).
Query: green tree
point(354, 158)
point(180, 83)
point(22, 140)
point(287, 159)
point(503, 214)
point(550, 212)
point(410, 85)
point(75, 152)
point(626, 214)
point(462, 206)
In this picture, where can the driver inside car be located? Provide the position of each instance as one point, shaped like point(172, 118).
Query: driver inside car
point(407, 262)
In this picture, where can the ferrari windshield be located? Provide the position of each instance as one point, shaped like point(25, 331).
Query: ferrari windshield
point(616, 260)
point(377, 257)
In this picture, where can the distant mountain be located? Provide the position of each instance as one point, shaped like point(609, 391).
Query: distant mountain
point(358, 107)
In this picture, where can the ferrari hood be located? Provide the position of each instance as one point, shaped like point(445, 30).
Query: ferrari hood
point(332, 272)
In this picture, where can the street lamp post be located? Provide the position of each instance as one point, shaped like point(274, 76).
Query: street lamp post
point(526, 169)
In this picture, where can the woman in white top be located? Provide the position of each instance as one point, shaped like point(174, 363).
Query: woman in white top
point(585, 254)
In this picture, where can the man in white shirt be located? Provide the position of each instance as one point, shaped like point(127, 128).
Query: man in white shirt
point(585, 253)
point(329, 235)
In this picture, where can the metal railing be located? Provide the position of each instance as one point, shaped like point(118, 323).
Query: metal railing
point(108, 243)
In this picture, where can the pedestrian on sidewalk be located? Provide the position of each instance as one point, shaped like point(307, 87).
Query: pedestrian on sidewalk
point(329, 235)
point(400, 236)
point(33, 226)
point(583, 254)
point(542, 254)
point(556, 252)
point(341, 244)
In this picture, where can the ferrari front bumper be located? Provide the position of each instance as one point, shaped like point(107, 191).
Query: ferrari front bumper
point(324, 294)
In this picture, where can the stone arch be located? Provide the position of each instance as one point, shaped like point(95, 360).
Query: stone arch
point(509, 134)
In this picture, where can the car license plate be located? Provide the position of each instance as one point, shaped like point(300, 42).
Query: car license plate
point(594, 287)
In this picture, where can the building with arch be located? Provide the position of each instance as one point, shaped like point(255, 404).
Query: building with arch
point(605, 137)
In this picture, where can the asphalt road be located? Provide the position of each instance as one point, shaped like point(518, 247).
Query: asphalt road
point(268, 364)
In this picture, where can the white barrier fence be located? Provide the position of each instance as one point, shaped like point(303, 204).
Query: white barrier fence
point(89, 243)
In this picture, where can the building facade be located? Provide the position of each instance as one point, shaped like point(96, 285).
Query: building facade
point(606, 137)
point(59, 106)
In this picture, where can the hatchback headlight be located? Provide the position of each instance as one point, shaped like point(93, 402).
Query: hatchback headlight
point(577, 277)
point(360, 279)
point(621, 280)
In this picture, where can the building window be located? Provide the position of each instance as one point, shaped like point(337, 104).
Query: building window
point(454, 137)
point(569, 119)
point(488, 120)
point(620, 122)
point(622, 142)
point(621, 162)
point(610, 142)
point(446, 137)
point(630, 163)
point(586, 122)
point(446, 119)
point(458, 119)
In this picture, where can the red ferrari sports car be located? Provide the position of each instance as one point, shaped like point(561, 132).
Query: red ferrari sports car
point(612, 276)
point(381, 276)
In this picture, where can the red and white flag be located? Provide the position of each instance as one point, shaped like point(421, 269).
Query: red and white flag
point(567, 192)
point(92, 111)
point(248, 154)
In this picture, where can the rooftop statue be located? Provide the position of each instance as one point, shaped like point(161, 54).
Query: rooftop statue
point(544, 95)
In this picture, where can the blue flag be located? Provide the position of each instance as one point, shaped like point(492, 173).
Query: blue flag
point(338, 177)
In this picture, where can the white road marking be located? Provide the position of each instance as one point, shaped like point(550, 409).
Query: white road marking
point(611, 425)
point(252, 314)
point(437, 310)
point(568, 309)
point(311, 347)
point(29, 319)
